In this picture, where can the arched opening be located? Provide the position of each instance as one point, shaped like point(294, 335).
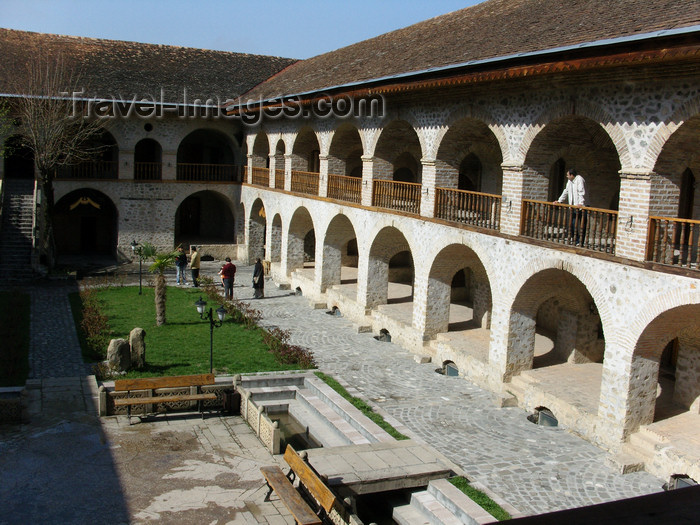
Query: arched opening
point(205, 217)
point(261, 151)
point(104, 163)
point(85, 226)
point(390, 274)
point(279, 165)
point(299, 243)
point(340, 257)
point(148, 160)
point(276, 239)
point(470, 173)
point(205, 155)
point(397, 149)
point(19, 159)
point(257, 231)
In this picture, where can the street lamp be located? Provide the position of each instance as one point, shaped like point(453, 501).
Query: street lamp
point(208, 316)
point(136, 250)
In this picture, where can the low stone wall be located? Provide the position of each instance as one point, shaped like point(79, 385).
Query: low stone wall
point(220, 251)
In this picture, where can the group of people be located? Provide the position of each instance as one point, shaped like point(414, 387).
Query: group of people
point(181, 266)
point(227, 273)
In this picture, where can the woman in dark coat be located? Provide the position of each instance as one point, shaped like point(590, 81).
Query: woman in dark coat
point(258, 280)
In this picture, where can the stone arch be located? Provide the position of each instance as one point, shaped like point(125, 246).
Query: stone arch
point(345, 152)
point(398, 137)
point(261, 150)
point(583, 144)
point(688, 110)
point(279, 156)
point(257, 226)
point(339, 233)
point(276, 239)
point(387, 243)
point(205, 154)
point(148, 160)
point(306, 150)
point(557, 302)
point(85, 224)
point(447, 264)
point(205, 217)
point(469, 136)
point(300, 226)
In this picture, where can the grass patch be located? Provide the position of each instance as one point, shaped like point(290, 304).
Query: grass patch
point(14, 334)
point(181, 346)
point(480, 498)
point(361, 406)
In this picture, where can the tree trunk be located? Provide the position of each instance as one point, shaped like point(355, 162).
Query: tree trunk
point(160, 299)
point(46, 243)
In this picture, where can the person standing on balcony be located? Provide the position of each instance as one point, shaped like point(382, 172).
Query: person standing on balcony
point(575, 194)
point(180, 266)
point(194, 266)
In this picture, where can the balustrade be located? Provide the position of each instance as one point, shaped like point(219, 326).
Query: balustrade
point(261, 177)
point(394, 195)
point(279, 179)
point(148, 171)
point(674, 241)
point(344, 188)
point(103, 170)
point(305, 182)
point(208, 172)
point(468, 207)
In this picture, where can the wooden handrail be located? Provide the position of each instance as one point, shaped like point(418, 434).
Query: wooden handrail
point(345, 188)
point(468, 207)
point(208, 172)
point(591, 228)
point(305, 182)
point(147, 171)
point(279, 179)
point(101, 169)
point(261, 176)
point(674, 241)
point(395, 195)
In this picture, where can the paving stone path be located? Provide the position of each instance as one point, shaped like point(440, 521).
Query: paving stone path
point(536, 469)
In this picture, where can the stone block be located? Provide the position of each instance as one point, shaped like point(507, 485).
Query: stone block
point(137, 342)
point(119, 355)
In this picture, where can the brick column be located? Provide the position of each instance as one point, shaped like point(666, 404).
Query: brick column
point(427, 198)
point(169, 165)
point(288, 171)
point(634, 210)
point(323, 176)
point(512, 199)
point(126, 164)
point(367, 176)
point(249, 178)
point(272, 163)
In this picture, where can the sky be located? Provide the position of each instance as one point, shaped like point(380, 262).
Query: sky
point(293, 28)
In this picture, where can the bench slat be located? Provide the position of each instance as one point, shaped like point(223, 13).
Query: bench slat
point(151, 383)
point(310, 479)
point(163, 399)
point(303, 514)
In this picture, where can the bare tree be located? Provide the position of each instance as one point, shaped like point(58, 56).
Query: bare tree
point(55, 126)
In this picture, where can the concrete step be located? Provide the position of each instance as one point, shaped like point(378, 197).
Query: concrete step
point(335, 423)
point(435, 512)
point(264, 380)
point(625, 461)
point(645, 443)
point(272, 393)
point(458, 503)
point(409, 515)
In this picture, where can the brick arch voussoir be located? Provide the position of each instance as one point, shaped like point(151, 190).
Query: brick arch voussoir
point(584, 108)
point(464, 111)
point(685, 112)
point(453, 255)
point(661, 319)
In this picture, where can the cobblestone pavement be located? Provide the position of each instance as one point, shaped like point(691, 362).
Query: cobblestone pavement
point(535, 469)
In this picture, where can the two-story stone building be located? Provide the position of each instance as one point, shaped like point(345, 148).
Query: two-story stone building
point(409, 180)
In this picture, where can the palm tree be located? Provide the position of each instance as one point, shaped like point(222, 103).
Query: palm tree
point(161, 262)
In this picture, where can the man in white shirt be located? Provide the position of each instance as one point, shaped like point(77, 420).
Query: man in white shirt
point(575, 195)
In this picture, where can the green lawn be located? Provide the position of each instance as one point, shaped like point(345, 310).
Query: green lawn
point(14, 334)
point(181, 346)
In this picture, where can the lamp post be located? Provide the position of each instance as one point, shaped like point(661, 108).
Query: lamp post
point(208, 316)
point(136, 250)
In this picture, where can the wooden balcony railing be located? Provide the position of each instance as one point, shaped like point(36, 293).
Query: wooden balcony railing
point(468, 207)
point(590, 228)
point(279, 179)
point(305, 182)
point(209, 172)
point(261, 177)
point(402, 196)
point(674, 241)
point(348, 189)
point(103, 170)
point(147, 171)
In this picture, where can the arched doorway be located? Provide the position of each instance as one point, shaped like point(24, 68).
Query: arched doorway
point(148, 160)
point(205, 155)
point(205, 217)
point(85, 225)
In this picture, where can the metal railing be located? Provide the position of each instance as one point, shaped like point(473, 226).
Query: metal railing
point(305, 182)
point(279, 179)
point(591, 228)
point(261, 177)
point(401, 196)
point(468, 207)
point(208, 172)
point(102, 170)
point(344, 188)
point(148, 171)
point(674, 241)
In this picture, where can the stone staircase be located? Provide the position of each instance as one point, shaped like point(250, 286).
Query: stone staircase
point(16, 232)
point(640, 452)
point(441, 504)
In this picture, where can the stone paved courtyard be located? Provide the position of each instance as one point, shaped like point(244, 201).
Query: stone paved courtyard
point(193, 471)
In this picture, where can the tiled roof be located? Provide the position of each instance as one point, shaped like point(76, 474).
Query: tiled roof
point(111, 68)
point(495, 28)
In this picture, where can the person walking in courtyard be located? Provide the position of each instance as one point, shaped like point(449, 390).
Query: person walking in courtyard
point(258, 280)
point(194, 266)
point(228, 274)
point(575, 194)
point(181, 266)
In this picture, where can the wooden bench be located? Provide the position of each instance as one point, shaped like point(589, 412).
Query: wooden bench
point(323, 498)
point(153, 383)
